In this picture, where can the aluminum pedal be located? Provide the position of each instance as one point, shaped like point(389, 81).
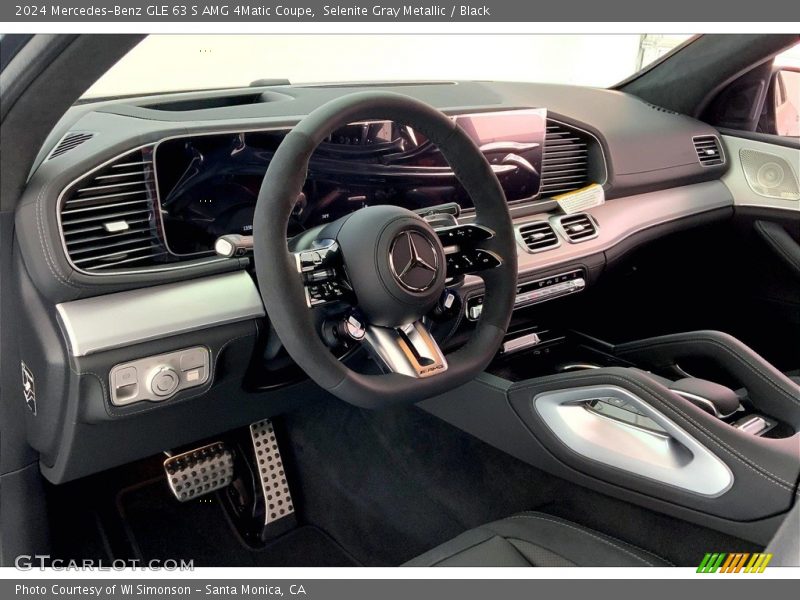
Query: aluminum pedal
point(200, 471)
point(277, 498)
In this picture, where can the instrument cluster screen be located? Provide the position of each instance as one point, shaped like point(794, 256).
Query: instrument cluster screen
point(208, 184)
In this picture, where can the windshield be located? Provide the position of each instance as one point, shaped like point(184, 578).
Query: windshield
point(163, 63)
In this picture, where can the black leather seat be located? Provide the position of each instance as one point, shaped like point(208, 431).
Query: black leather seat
point(536, 539)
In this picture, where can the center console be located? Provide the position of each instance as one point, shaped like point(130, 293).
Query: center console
point(696, 424)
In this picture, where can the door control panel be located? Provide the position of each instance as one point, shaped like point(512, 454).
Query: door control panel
point(157, 378)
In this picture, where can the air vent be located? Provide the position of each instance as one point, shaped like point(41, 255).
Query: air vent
point(108, 218)
point(565, 165)
point(709, 152)
point(68, 142)
point(578, 228)
point(538, 236)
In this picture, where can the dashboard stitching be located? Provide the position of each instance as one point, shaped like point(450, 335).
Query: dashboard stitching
point(753, 466)
point(49, 261)
point(776, 245)
point(99, 379)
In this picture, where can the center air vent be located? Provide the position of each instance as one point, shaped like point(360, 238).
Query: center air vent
point(108, 218)
point(578, 227)
point(565, 166)
point(709, 152)
point(538, 236)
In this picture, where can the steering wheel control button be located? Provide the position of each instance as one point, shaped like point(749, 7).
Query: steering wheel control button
point(463, 234)
point(317, 258)
point(323, 293)
point(164, 381)
point(158, 378)
point(471, 261)
point(321, 278)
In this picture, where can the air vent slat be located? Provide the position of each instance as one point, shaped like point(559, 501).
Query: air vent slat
point(90, 229)
point(97, 207)
point(578, 227)
point(109, 186)
point(77, 243)
point(104, 218)
point(565, 163)
point(108, 218)
point(131, 164)
point(123, 195)
point(141, 174)
point(709, 151)
point(538, 236)
point(142, 260)
point(122, 243)
point(570, 176)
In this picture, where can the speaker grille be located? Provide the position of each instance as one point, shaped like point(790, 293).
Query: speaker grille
point(68, 142)
point(769, 175)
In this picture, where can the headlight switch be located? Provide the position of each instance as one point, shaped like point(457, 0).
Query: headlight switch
point(157, 378)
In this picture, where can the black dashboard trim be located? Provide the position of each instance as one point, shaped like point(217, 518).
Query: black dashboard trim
point(645, 150)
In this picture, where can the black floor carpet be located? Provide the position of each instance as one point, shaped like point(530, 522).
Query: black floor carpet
point(370, 487)
point(160, 527)
point(389, 485)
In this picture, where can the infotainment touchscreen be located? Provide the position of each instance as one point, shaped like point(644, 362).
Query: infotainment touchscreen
point(208, 184)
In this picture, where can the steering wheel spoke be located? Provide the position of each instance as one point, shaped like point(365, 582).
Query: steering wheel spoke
point(409, 350)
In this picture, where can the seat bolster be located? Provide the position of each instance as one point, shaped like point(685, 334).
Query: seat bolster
point(478, 547)
point(583, 546)
point(536, 539)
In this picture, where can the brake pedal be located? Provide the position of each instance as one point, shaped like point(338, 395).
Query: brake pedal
point(277, 497)
point(200, 471)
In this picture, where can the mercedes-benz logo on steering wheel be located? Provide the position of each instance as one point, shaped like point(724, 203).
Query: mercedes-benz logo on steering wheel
point(413, 261)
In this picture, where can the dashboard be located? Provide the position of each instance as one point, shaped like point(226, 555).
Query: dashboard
point(116, 227)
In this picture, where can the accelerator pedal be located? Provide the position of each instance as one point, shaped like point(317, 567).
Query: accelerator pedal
point(277, 498)
point(200, 471)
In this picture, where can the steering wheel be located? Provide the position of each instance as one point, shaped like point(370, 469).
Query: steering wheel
point(386, 261)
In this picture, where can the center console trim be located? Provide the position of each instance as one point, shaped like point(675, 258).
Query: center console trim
point(674, 458)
